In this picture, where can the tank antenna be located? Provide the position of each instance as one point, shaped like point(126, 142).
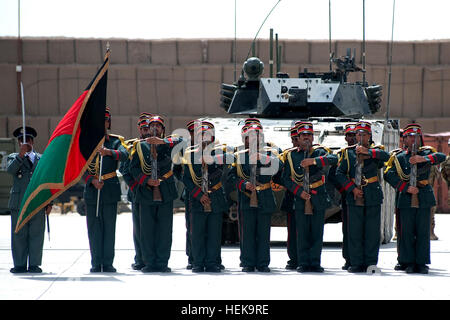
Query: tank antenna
point(235, 41)
point(329, 32)
point(390, 64)
point(364, 44)
point(262, 24)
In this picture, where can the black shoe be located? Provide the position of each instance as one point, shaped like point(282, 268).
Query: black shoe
point(137, 266)
point(214, 269)
point(290, 266)
point(356, 269)
point(109, 269)
point(165, 269)
point(34, 269)
point(421, 268)
point(189, 266)
point(18, 270)
point(222, 267)
point(198, 269)
point(302, 269)
point(346, 265)
point(96, 269)
point(248, 269)
point(410, 269)
point(148, 269)
point(317, 269)
point(263, 269)
point(400, 267)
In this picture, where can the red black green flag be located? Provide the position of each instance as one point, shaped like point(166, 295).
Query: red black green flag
point(70, 149)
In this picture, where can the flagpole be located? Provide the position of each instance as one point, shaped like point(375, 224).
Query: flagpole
point(23, 111)
point(99, 180)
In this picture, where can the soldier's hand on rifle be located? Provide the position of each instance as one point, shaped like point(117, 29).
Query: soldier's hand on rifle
point(361, 150)
point(24, 148)
point(154, 140)
point(308, 162)
point(416, 159)
point(358, 193)
point(105, 152)
point(205, 200)
point(249, 186)
point(412, 190)
point(305, 196)
point(153, 183)
point(97, 184)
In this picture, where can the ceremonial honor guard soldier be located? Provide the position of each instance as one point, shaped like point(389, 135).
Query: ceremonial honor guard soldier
point(101, 194)
point(27, 244)
point(303, 176)
point(144, 132)
point(204, 164)
point(252, 173)
point(151, 166)
point(288, 206)
point(358, 174)
point(178, 171)
point(350, 138)
point(408, 172)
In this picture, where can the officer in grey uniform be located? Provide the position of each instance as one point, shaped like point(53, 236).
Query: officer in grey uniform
point(27, 244)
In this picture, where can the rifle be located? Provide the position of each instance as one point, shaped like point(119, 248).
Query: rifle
point(154, 166)
point(206, 207)
point(359, 201)
point(413, 176)
point(253, 166)
point(308, 204)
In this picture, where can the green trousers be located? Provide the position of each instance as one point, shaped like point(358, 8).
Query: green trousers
point(414, 236)
point(206, 236)
point(27, 244)
point(102, 233)
point(255, 238)
point(156, 233)
point(136, 232)
point(363, 234)
point(309, 237)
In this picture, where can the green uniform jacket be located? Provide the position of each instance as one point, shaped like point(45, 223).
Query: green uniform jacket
point(21, 169)
point(240, 175)
point(215, 172)
point(140, 169)
point(111, 192)
point(293, 158)
point(373, 194)
point(397, 175)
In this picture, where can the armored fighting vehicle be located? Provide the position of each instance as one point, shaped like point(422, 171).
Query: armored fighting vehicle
point(325, 99)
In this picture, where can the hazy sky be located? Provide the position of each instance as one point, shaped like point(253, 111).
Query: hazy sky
point(292, 19)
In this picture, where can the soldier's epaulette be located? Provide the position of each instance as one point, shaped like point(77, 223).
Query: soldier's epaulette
point(122, 139)
point(380, 146)
point(318, 146)
point(396, 151)
point(428, 148)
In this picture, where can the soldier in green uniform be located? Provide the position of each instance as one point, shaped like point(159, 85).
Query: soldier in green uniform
point(414, 244)
point(178, 171)
point(363, 219)
point(309, 225)
point(151, 166)
point(101, 224)
point(144, 131)
point(252, 173)
point(27, 244)
point(350, 138)
point(204, 164)
point(288, 206)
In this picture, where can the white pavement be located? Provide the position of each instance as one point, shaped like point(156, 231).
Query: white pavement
point(66, 263)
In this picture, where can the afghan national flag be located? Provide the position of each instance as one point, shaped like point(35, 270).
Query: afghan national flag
point(70, 149)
